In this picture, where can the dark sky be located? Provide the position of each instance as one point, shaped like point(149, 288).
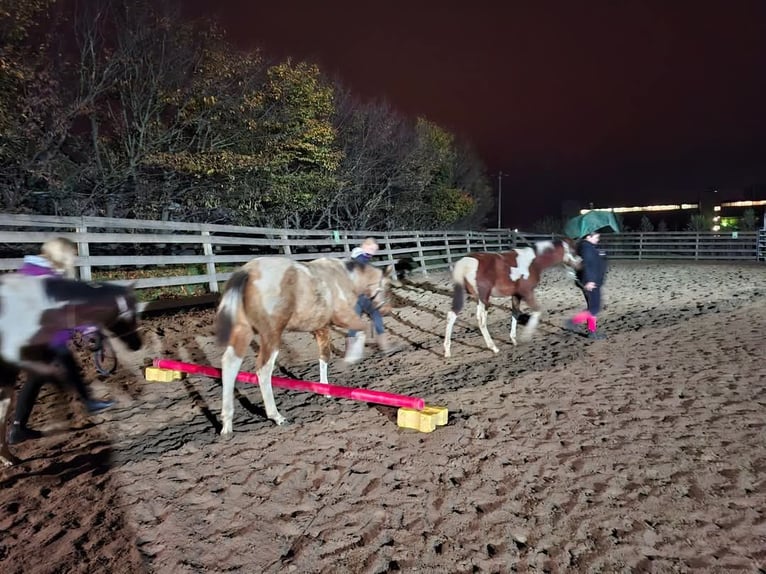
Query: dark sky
point(616, 101)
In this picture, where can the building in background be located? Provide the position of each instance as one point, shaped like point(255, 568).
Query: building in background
point(722, 210)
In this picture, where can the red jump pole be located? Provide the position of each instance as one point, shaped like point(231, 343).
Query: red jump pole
point(356, 394)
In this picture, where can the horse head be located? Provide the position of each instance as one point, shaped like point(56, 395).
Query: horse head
point(124, 326)
point(570, 257)
point(374, 283)
point(111, 307)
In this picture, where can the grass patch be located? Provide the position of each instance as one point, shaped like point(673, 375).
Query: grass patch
point(163, 293)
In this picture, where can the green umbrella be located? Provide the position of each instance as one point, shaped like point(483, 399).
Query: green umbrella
point(590, 222)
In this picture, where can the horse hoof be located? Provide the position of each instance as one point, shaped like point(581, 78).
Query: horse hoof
point(282, 422)
point(495, 350)
point(7, 459)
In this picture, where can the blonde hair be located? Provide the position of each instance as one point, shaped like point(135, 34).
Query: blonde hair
point(370, 246)
point(61, 252)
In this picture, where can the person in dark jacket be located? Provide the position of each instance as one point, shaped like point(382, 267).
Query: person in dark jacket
point(590, 277)
point(56, 258)
point(364, 254)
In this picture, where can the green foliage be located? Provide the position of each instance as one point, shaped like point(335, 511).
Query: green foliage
point(699, 222)
point(450, 205)
point(549, 224)
point(749, 220)
point(645, 224)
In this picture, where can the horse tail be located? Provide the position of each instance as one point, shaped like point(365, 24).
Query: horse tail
point(230, 304)
point(458, 297)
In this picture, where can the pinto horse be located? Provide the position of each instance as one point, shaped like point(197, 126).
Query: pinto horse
point(35, 311)
point(514, 274)
point(270, 295)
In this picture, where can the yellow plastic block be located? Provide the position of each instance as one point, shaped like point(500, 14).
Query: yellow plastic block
point(440, 414)
point(162, 375)
point(424, 421)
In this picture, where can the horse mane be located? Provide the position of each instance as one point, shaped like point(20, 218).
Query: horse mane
point(355, 265)
point(62, 289)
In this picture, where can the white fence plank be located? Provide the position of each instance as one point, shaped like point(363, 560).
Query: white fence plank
point(215, 250)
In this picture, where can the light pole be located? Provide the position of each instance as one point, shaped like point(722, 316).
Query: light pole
point(500, 175)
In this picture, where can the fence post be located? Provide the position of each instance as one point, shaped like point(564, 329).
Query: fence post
point(640, 245)
point(448, 250)
point(696, 245)
point(387, 243)
point(286, 245)
point(86, 273)
point(468, 242)
point(207, 250)
point(420, 254)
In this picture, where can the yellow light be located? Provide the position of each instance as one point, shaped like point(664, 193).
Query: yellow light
point(716, 228)
point(744, 203)
point(717, 208)
point(668, 207)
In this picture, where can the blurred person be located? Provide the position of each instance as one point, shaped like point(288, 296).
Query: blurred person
point(57, 257)
point(364, 305)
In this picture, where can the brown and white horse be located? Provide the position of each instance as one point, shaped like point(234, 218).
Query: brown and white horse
point(270, 295)
point(35, 311)
point(514, 274)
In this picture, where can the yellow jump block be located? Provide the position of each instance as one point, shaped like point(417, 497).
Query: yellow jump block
point(424, 421)
point(163, 375)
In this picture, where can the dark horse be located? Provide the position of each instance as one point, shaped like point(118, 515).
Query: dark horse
point(514, 274)
point(270, 295)
point(35, 310)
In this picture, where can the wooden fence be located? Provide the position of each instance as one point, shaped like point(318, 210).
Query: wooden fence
point(175, 254)
point(193, 253)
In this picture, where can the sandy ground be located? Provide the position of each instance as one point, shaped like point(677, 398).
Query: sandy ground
point(644, 452)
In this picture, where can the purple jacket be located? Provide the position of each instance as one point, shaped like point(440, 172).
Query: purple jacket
point(39, 266)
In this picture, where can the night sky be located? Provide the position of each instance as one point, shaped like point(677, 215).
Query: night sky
point(606, 101)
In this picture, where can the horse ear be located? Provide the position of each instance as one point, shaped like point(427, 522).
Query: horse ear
point(403, 267)
point(392, 274)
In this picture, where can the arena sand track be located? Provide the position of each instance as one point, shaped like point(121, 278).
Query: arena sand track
point(640, 453)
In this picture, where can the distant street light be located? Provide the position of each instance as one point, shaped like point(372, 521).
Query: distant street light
point(500, 175)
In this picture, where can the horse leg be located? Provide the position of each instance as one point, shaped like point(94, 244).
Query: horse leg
point(534, 318)
point(7, 382)
point(451, 318)
point(265, 370)
point(241, 337)
point(6, 458)
point(481, 318)
point(515, 310)
point(322, 337)
point(350, 319)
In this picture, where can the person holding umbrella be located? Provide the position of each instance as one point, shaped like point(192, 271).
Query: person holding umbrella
point(592, 273)
point(590, 278)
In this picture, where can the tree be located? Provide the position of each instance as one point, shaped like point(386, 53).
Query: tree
point(646, 224)
point(699, 222)
point(749, 220)
point(549, 224)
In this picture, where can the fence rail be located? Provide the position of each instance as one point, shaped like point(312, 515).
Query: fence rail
point(204, 255)
point(194, 254)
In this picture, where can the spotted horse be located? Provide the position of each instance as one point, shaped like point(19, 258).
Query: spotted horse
point(514, 274)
